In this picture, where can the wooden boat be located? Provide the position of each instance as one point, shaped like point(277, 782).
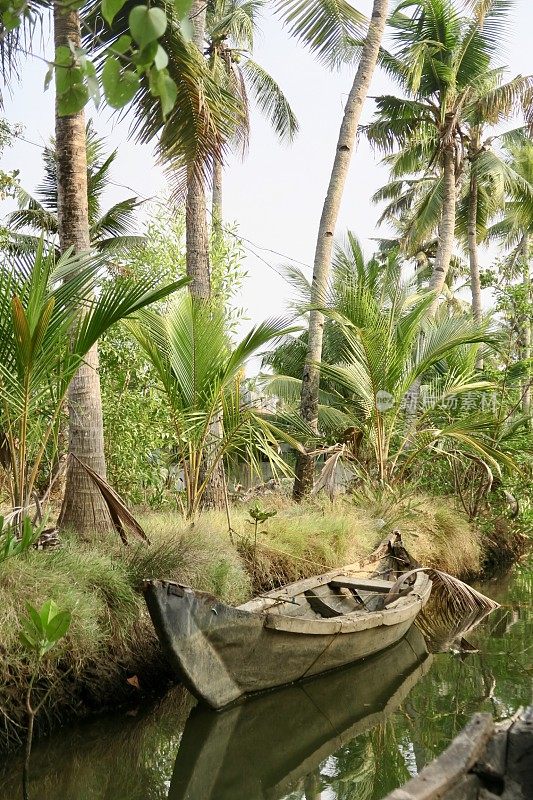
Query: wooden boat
point(312, 626)
point(484, 761)
point(264, 747)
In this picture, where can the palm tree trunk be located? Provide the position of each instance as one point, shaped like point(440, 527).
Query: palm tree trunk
point(305, 465)
point(197, 261)
point(526, 282)
point(196, 231)
point(446, 232)
point(475, 282)
point(216, 205)
point(197, 238)
point(84, 509)
point(441, 266)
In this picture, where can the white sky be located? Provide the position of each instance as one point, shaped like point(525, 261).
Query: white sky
point(276, 194)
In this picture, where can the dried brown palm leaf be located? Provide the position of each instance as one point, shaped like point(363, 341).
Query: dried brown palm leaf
point(120, 514)
point(455, 596)
point(327, 478)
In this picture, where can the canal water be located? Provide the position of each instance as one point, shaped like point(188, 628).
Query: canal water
point(355, 734)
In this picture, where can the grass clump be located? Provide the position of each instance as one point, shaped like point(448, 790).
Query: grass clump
point(439, 535)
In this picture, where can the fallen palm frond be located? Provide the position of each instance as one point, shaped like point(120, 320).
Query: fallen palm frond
point(460, 599)
point(457, 596)
point(444, 632)
point(328, 476)
point(121, 516)
point(454, 609)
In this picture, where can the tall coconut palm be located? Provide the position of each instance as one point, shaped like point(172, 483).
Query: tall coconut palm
point(330, 211)
point(83, 508)
point(223, 31)
point(515, 231)
point(442, 61)
point(110, 230)
point(231, 28)
point(415, 192)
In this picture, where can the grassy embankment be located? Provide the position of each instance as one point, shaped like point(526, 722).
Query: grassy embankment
point(111, 638)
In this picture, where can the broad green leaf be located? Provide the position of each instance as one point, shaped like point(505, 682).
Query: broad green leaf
point(110, 9)
point(58, 626)
point(68, 77)
point(161, 58)
point(48, 611)
point(30, 631)
point(122, 45)
point(72, 93)
point(27, 641)
point(162, 86)
point(10, 20)
point(147, 24)
point(35, 618)
point(63, 57)
point(72, 101)
point(145, 57)
point(120, 86)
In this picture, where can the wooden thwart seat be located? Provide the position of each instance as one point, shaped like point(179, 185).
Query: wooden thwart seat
point(330, 601)
point(369, 585)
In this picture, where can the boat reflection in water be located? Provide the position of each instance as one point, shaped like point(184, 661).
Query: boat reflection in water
point(263, 747)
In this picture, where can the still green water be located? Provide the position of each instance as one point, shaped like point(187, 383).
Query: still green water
point(355, 734)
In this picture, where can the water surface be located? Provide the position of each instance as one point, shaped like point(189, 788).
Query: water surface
point(355, 734)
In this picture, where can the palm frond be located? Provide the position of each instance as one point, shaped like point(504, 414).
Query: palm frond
point(270, 99)
point(331, 29)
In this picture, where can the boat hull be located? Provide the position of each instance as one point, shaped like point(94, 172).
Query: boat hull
point(264, 747)
point(221, 653)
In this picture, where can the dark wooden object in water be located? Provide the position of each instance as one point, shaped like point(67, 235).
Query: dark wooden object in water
point(312, 626)
point(484, 762)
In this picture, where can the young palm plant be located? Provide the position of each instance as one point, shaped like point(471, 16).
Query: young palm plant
point(43, 340)
point(201, 376)
point(376, 354)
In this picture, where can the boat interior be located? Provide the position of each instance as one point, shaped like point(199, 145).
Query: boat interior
point(326, 596)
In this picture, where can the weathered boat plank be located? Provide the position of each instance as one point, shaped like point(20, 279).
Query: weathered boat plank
point(483, 762)
point(371, 585)
point(492, 765)
point(520, 752)
point(449, 769)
